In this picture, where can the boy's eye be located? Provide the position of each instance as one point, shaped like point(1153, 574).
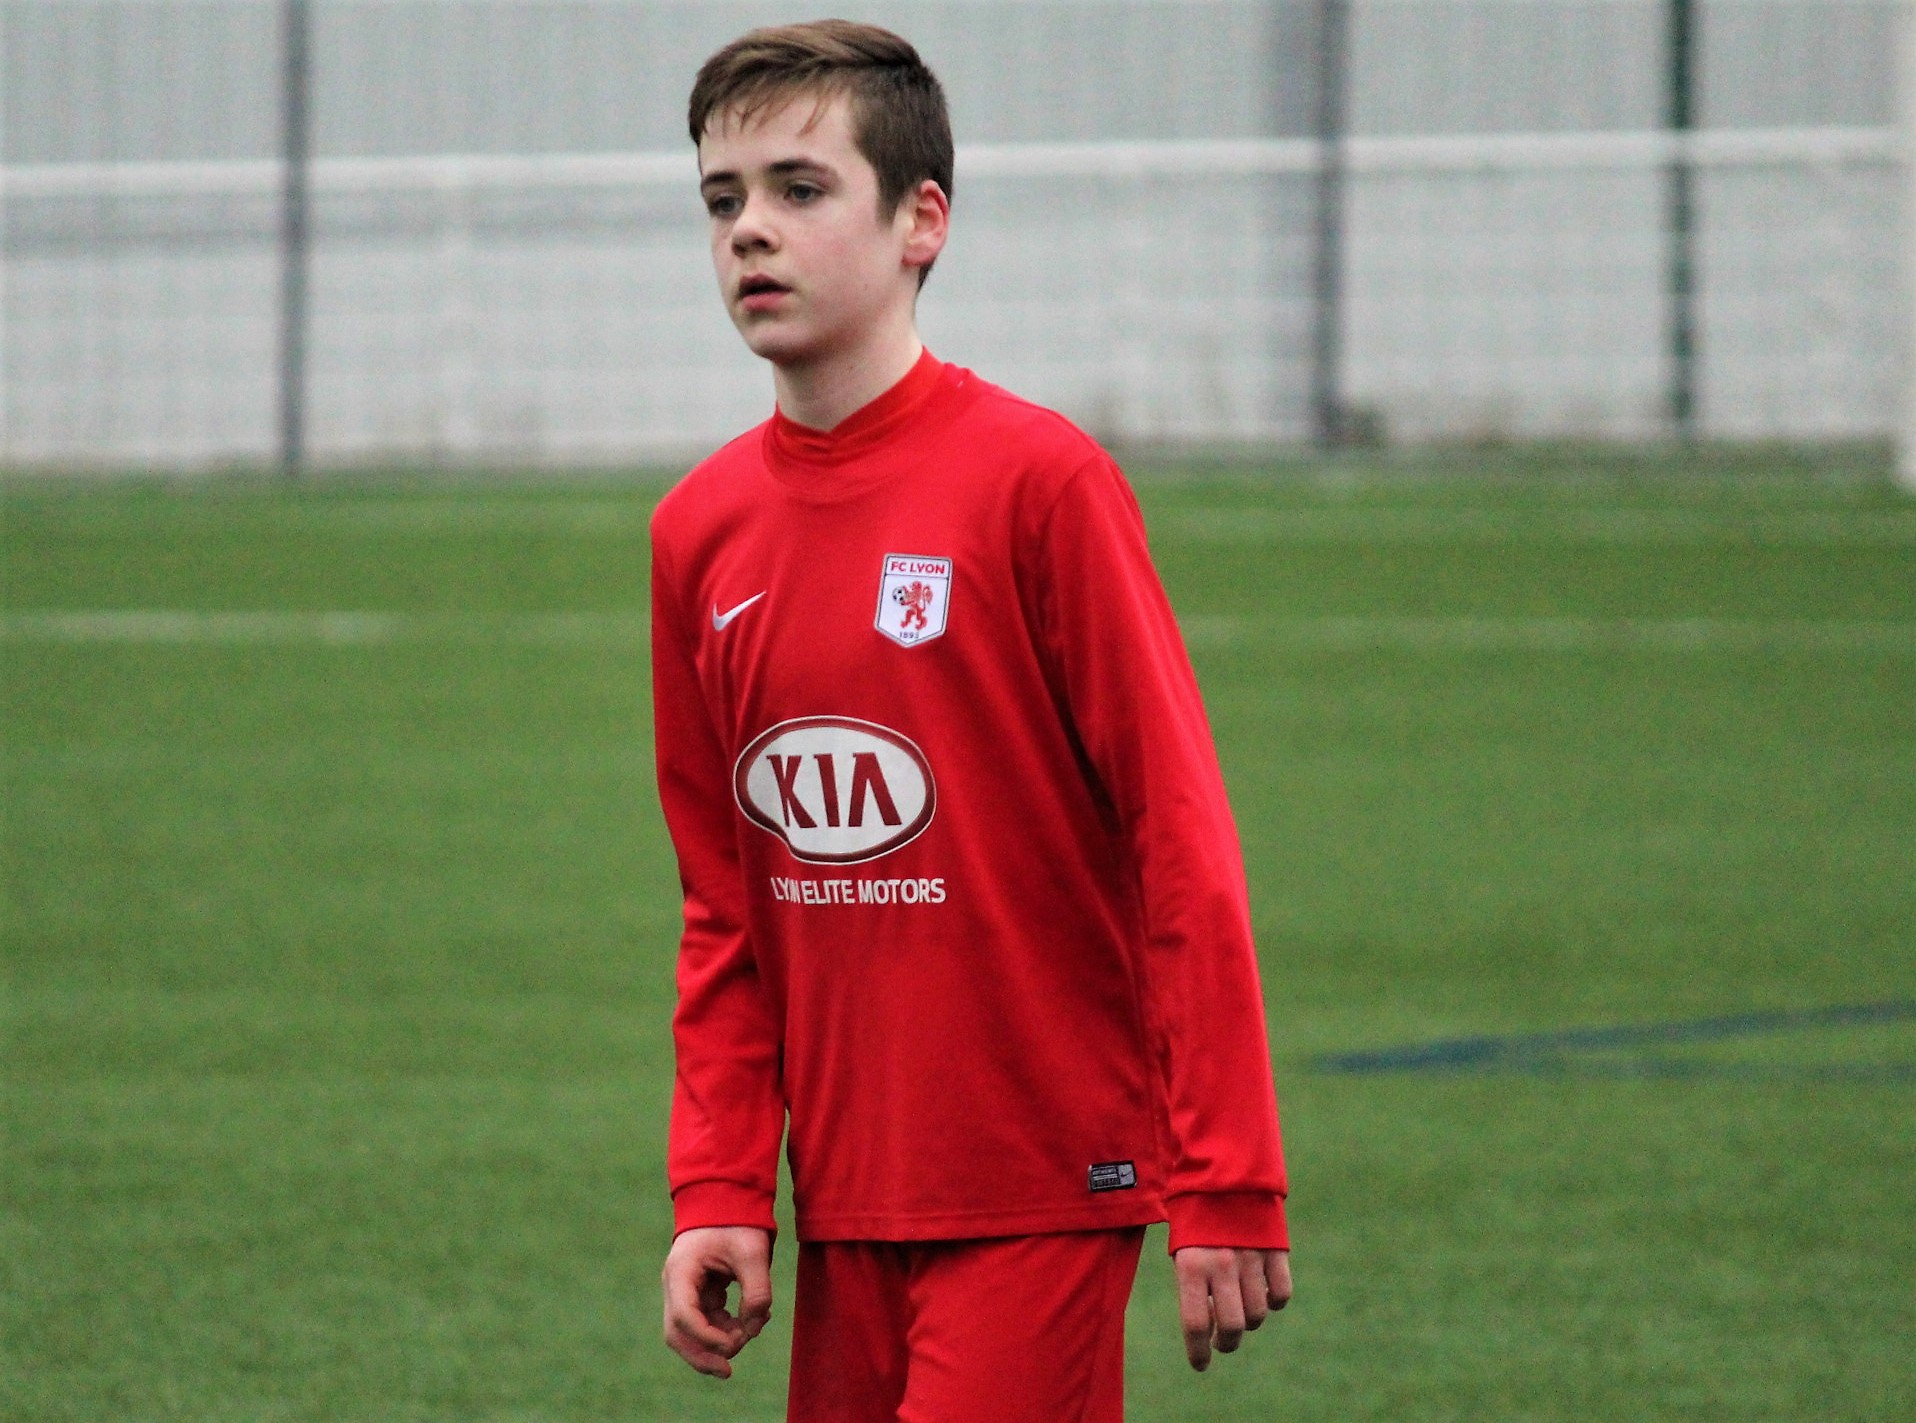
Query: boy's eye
point(804, 192)
point(723, 205)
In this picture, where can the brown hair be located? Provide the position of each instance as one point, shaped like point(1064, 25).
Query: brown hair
point(898, 112)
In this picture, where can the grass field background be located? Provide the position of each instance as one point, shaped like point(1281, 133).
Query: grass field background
point(339, 925)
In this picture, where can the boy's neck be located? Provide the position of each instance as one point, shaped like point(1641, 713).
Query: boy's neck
point(820, 396)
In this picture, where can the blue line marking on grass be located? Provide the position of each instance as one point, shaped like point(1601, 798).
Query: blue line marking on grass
point(1570, 1052)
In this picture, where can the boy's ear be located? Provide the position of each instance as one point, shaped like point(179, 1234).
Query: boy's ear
point(928, 212)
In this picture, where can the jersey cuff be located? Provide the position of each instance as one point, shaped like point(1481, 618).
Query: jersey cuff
point(702, 1203)
point(1228, 1220)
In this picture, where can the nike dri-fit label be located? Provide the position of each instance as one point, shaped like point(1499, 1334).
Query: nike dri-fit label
point(1113, 1176)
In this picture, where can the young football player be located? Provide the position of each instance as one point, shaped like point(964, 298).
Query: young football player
point(965, 911)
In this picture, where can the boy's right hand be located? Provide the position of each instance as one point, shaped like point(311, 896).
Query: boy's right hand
point(701, 1266)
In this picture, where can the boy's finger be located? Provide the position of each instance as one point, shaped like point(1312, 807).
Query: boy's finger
point(1194, 1312)
point(1251, 1287)
point(721, 1335)
point(1277, 1276)
point(706, 1361)
point(754, 1295)
point(702, 1344)
point(1227, 1304)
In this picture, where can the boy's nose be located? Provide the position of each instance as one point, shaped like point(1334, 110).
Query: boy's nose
point(752, 230)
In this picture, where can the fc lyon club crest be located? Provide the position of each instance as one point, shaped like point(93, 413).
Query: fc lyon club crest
point(913, 595)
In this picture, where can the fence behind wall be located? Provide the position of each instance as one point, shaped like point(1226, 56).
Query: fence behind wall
point(1177, 220)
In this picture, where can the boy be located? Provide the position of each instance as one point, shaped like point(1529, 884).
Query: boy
point(963, 897)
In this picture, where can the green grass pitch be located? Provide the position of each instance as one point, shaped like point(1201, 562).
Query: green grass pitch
point(339, 923)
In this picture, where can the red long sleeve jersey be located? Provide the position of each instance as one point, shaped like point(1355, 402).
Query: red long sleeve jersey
point(963, 895)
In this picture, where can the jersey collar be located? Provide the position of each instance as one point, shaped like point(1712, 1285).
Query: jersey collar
point(870, 426)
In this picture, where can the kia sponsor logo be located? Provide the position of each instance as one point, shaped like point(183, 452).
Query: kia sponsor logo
point(836, 790)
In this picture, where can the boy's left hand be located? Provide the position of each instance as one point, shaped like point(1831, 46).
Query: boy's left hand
point(1224, 1292)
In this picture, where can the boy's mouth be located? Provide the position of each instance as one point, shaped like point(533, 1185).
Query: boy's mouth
point(760, 291)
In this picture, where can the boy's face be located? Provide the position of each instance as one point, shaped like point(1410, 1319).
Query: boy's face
point(807, 267)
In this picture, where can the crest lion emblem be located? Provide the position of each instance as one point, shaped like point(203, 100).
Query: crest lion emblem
point(914, 598)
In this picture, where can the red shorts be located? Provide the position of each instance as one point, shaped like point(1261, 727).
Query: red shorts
point(1028, 1329)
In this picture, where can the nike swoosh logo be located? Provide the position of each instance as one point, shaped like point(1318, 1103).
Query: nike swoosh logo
point(721, 621)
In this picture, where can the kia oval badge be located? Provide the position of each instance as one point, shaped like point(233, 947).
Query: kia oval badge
point(836, 790)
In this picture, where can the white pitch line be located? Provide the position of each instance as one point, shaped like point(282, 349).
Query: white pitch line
point(604, 516)
point(1489, 634)
point(1224, 525)
point(155, 626)
point(571, 516)
point(630, 629)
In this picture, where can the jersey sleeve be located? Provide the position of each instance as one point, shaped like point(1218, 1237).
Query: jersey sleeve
point(728, 1110)
point(1133, 701)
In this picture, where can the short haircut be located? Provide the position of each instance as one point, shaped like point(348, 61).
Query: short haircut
point(898, 116)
